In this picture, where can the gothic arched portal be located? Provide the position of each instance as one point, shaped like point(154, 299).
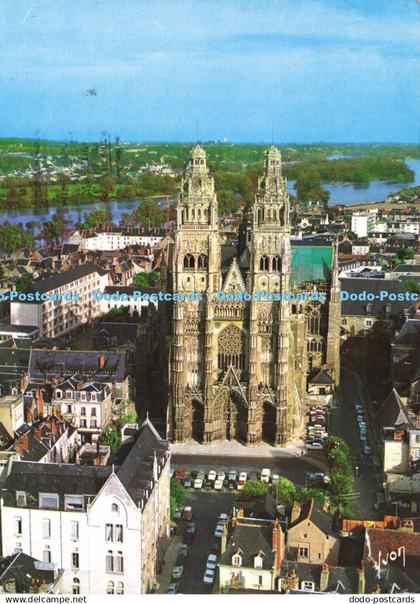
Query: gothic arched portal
point(269, 423)
point(197, 421)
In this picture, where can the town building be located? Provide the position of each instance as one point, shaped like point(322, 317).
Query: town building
point(363, 223)
point(239, 360)
point(311, 536)
point(22, 574)
point(251, 555)
point(66, 303)
point(111, 238)
point(106, 527)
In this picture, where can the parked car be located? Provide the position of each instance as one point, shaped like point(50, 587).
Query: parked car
point(177, 514)
point(188, 483)
point(265, 475)
point(211, 562)
point(177, 572)
point(218, 533)
point(359, 408)
point(187, 513)
point(232, 475)
point(198, 483)
point(366, 449)
point(218, 485)
point(212, 475)
point(242, 478)
point(363, 439)
point(320, 476)
point(180, 474)
point(221, 476)
point(201, 474)
point(191, 528)
point(208, 576)
point(172, 589)
point(231, 485)
point(222, 518)
point(360, 418)
point(275, 478)
point(183, 550)
point(314, 445)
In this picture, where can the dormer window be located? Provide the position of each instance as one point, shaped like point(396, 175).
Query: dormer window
point(307, 586)
point(258, 560)
point(237, 560)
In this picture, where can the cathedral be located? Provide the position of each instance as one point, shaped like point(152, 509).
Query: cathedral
point(256, 330)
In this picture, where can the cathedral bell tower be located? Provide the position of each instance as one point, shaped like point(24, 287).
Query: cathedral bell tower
point(196, 272)
point(269, 326)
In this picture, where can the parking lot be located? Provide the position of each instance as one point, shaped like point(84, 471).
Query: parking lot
point(207, 507)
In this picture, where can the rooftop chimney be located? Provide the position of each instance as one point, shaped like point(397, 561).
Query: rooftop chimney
point(40, 402)
point(22, 444)
point(37, 433)
point(295, 512)
point(325, 578)
point(101, 361)
point(361, 582)
point(278, 545)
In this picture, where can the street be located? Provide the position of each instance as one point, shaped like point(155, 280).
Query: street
point(343, 423)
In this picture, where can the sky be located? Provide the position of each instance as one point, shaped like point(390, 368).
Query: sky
point(257, 71)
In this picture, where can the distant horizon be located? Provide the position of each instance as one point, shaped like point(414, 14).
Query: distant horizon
point(208, 142)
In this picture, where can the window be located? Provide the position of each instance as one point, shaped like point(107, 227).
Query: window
point(69, 409)
point(46, 555)
point(75, 560)
point(83, 411)
point(18, 526)
point(76, 586)
point(307, 586)
point(108, 532)
point(93, 412)
point(120, 588)
point(368, 323)
point(264, 263)
point(276, 264)
point(109, 562)
point(115, 509)
point(74, 530)
point(202, 261)
point(46, 528)
point(73, 502)
point(83, 423)
point(119, 563)
point(236, 560)
point(118, 533)
point(258, 561)
point(20, 499)
point(189, 261)
point(260, 580)
point(303, 552)
point(110, 588)
point(48, 500)
point(93, 423)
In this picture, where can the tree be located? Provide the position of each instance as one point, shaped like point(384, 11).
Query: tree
point(53, 231)
point(149, 213)
point(178, 495)
point(146, 279)
point(111, 437)
point(23, 281)
point(284, 491)
point(10, 238)
point(98, 216)
point(252, 489)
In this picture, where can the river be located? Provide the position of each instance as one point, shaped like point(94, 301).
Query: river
point(350, 194)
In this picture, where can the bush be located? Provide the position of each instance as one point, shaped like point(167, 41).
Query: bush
point(252, 489)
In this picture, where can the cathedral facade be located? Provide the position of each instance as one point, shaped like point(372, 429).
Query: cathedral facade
point(245, 338)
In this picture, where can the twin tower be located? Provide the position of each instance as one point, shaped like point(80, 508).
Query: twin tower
point(239, 366)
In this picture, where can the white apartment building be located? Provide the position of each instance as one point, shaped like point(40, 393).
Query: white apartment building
point(87, 405)
point(363, 223)
point(66, 301)
point(111, 239)
point(106, 527)
point(127, 297)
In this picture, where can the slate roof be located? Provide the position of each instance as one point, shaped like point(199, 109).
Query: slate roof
point(56, 280)
point(13, 362)
point(250, 535)
point(23, 569)
point(341, 579)
point(322, 377)
point(136, 473)
point(10, 328)
point(38, 448)
point(409, 334)
point(359, 285)
point(66, 363)
point(392, 412)
point(322, 519)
